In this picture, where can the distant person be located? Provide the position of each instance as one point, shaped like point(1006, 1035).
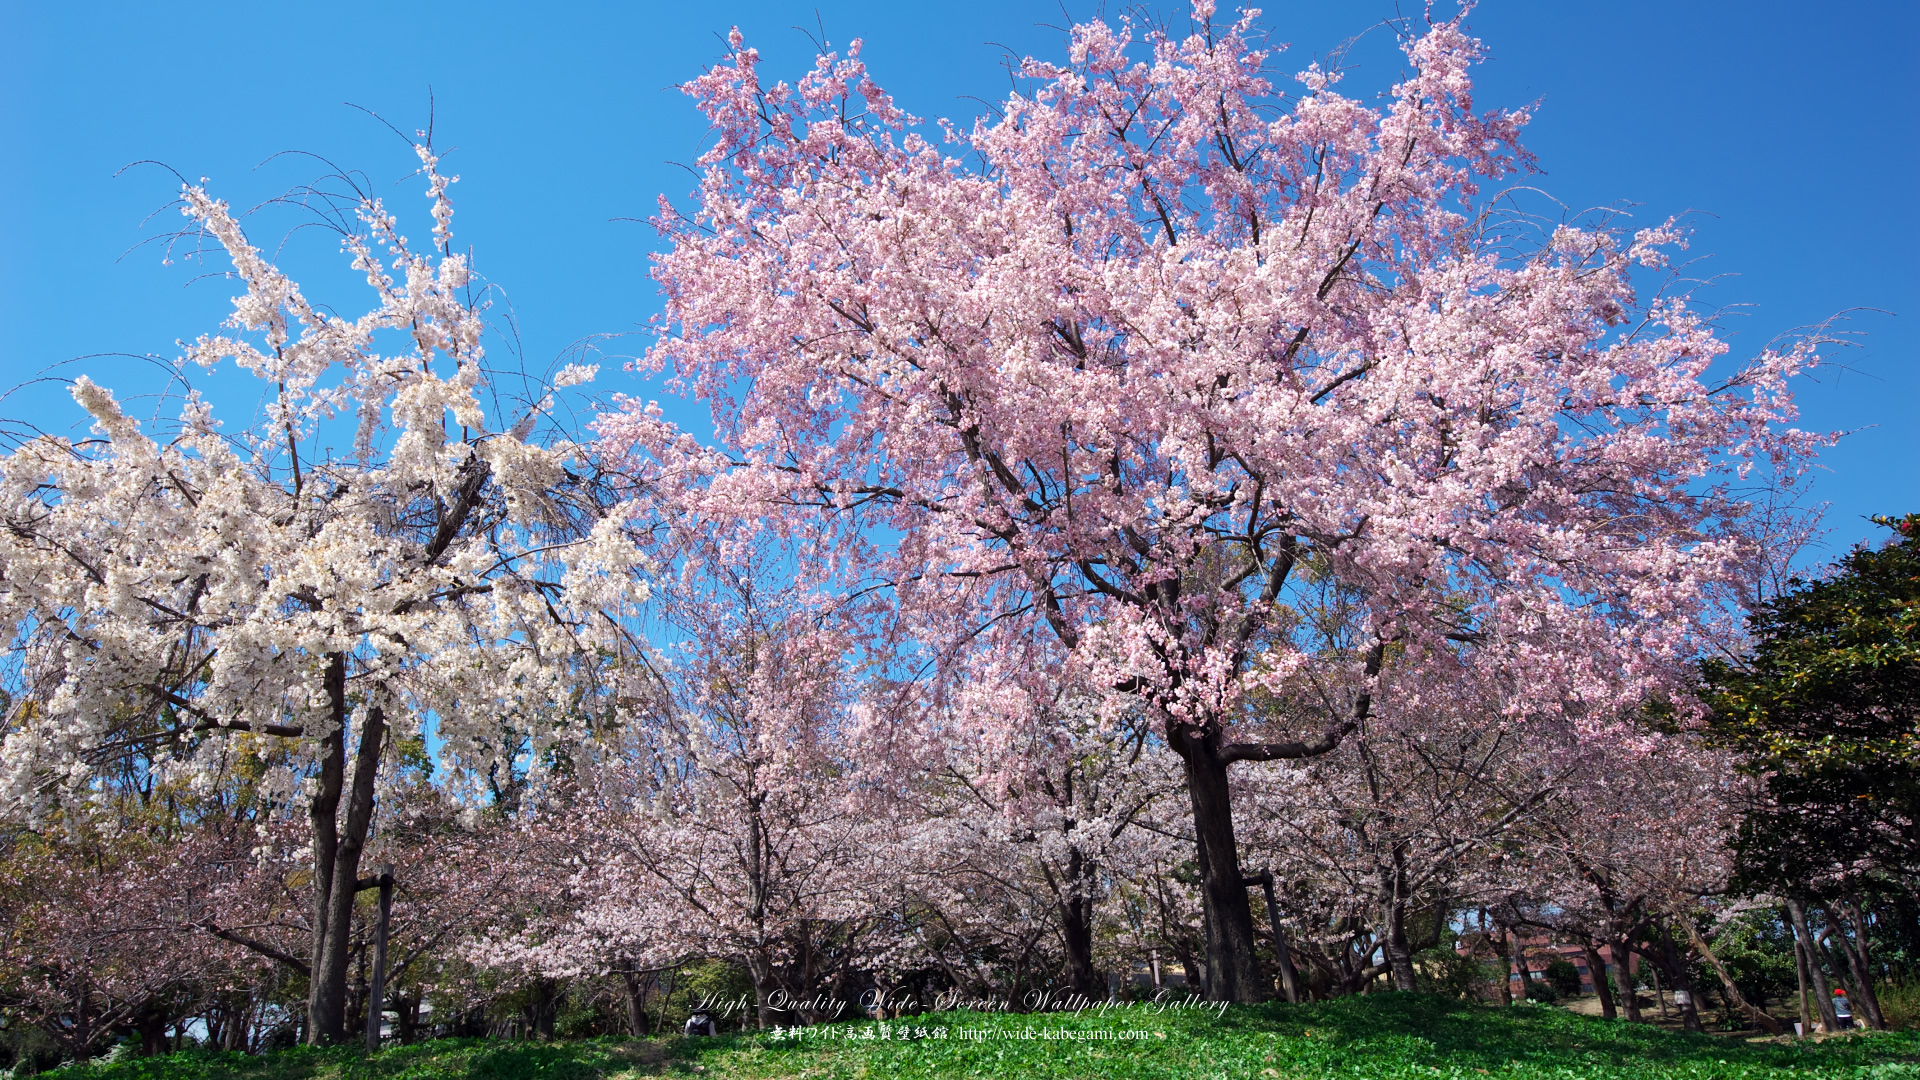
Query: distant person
point(1841, 1010)
point(701, 1023)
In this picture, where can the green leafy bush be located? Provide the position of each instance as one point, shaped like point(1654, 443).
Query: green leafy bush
point(1564, 978)
point(1541, 990)
point(1444, 970)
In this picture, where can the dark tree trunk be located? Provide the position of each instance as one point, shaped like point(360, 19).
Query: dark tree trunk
point(541, 1009)
point(336, 854)
point(1075, 901)
point(636, 1005)
point(1676, 965)
point(1190, 967)
point(1399, 952)
point(1822, 993)
point(1597, 971)
point(406, 1011)
point(152, 1025)
point(1623, 975)
point(1232, 970)
point(765, 990)
point(1076, 930)
point(1852, 919)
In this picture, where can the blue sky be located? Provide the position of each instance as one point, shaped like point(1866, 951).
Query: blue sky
point(1790, 128)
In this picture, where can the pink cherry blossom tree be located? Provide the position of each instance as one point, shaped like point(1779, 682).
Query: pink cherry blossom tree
point(1028, 797)
point(1114, 364)
point(1633, 836)
point(96, 937)
point(722, 823)
point(1394, 827)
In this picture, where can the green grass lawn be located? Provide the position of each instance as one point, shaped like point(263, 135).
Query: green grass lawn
point(1385, 1036)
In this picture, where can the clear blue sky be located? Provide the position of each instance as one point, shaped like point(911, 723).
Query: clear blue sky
point(1794, 126)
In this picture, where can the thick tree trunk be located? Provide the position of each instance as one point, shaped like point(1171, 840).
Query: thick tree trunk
point(1399, 952)
point(636, 1005)
point(765, 990)
point(336, 855)
point(1822, 993)
point(1399, 956)
point(152, 1025)
point(1233, 973)
point(1597, 971)
point(1623, 976)
point(406, 1010)
point(1076, 929)
point(540, 1011)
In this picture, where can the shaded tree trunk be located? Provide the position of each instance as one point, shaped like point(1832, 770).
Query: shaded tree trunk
point(540, 1011)
point(1190, 966)
point(1597, 971)
point(1676, 965)
point(406, 1011)
point(636, 1004)
point(765, 992)
point(1076, 929)
point(1232, 973)
point(1399, 953)
point(152, 1025)
point(1822, 992)
point(1853, 943)
point(1623, 975)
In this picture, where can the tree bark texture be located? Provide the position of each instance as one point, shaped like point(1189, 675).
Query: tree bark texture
point(1232, 971)
point(1597, 971)
point(1623, 975)
point(337, 847)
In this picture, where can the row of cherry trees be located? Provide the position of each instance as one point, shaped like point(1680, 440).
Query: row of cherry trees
point(1185, 482)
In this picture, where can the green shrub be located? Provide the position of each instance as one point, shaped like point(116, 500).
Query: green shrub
point(1443, 970)
point(1564, 977)
point(1541, 990)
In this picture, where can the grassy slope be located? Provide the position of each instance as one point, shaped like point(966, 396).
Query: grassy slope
point(1390, 1037)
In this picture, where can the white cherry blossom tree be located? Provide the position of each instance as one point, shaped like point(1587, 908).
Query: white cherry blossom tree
point(182, 596)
